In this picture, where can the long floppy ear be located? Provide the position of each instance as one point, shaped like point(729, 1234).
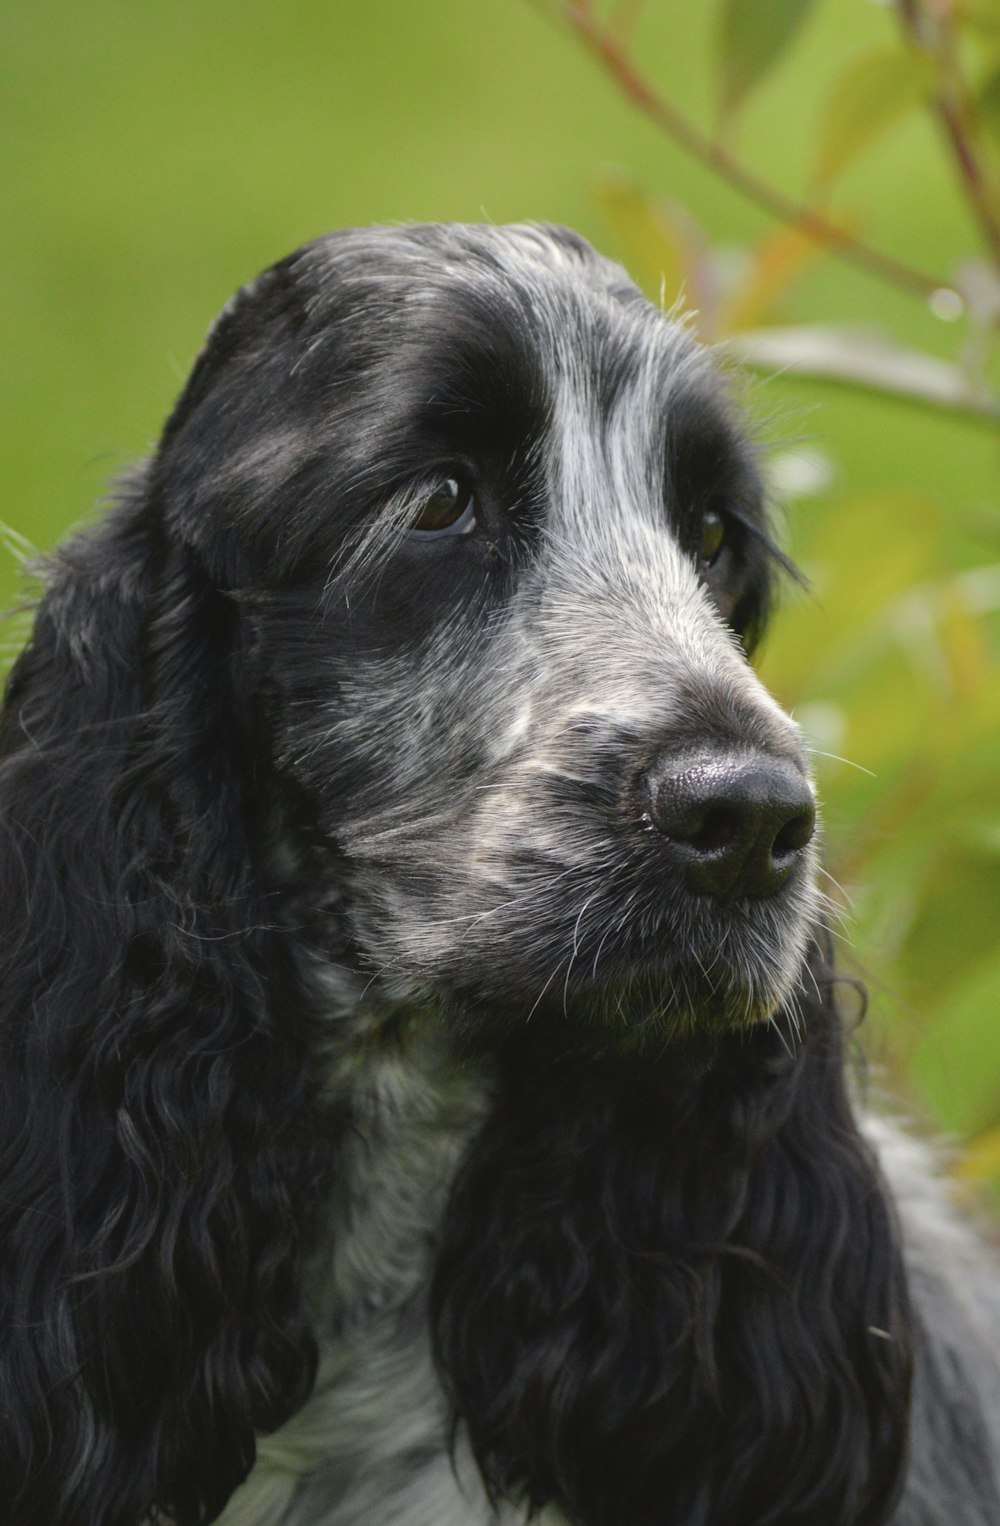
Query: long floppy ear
point(743, 1354)
point(160, 1155)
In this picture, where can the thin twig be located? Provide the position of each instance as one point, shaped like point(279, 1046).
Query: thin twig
point(955, 111)
point(624, 19)
point(607, 48)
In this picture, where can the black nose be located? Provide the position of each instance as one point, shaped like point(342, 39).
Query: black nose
point(737, 824)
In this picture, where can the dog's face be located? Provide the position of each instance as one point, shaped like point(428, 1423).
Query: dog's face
point(499, 545)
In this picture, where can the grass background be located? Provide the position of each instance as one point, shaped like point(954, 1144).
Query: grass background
point(154, 157)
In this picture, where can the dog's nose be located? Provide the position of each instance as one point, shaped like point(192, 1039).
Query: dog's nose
point(737, 824)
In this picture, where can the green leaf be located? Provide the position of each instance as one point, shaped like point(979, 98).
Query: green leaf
point(752, 37)
point(988, 104)
point(860, 561)
point(872, 93)
point(979, 16)
point(955, 922)
point(957, 1062)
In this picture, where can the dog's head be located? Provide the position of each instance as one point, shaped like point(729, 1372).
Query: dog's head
point(499, 539)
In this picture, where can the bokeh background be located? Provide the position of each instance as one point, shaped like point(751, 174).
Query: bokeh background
point(153, 157)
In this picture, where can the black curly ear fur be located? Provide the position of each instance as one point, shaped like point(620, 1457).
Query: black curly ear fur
point(674, 1291)
point(158, 1120)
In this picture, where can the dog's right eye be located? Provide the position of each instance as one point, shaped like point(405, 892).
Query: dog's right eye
point(713, 537)
point(449, 510)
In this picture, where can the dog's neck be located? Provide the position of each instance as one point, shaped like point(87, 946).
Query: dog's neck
point(372, 1442)
point(411, 1107)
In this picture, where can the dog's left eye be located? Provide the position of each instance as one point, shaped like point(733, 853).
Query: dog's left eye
point(449, 510)
point(713, 537)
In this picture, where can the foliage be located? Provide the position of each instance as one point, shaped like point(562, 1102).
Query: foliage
point(891, 662)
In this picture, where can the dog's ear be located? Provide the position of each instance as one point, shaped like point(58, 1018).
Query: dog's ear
point(160, 1148)
point(738, 1201)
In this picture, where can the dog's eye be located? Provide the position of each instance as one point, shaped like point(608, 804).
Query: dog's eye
point(713, 537)
point(449, 510)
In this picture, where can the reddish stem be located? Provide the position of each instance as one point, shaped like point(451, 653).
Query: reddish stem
point(607, 48)
point(955, 111)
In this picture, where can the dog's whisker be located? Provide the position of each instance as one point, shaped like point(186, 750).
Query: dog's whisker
point(541, 995)
point(817, 752)
point(845, 903)
point(776, 1028)
point(574, 951)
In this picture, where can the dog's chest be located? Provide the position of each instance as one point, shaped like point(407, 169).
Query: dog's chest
point(371, 1443)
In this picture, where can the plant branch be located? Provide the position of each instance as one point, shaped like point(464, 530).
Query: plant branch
point(955, 112)
point(862, 360)
point(604, 45)
point(624, 19)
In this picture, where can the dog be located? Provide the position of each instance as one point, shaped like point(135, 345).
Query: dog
point(424, 1087)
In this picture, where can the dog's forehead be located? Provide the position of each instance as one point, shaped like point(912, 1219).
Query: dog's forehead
point(461, 315)
point(543, 291)
point(517, 260)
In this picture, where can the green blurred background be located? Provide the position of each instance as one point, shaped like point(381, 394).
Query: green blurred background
point(153, 157)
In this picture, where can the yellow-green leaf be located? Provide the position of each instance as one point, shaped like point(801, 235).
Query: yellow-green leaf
point(837, 633)
point(752, 37)
point(872, 93)
point(980, 1159)
point(776, 264)
point(664, 248)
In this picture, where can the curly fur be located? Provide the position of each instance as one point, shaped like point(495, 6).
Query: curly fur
point(388, 1133)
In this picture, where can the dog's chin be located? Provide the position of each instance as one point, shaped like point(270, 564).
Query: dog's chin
point(643, 1011)
point(651, 1010)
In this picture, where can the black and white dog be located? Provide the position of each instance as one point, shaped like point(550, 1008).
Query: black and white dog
point(423, 1092)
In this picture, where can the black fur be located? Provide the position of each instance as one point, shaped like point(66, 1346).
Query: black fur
point(270, 807)
point(664, 1293)
point(163, 1158)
